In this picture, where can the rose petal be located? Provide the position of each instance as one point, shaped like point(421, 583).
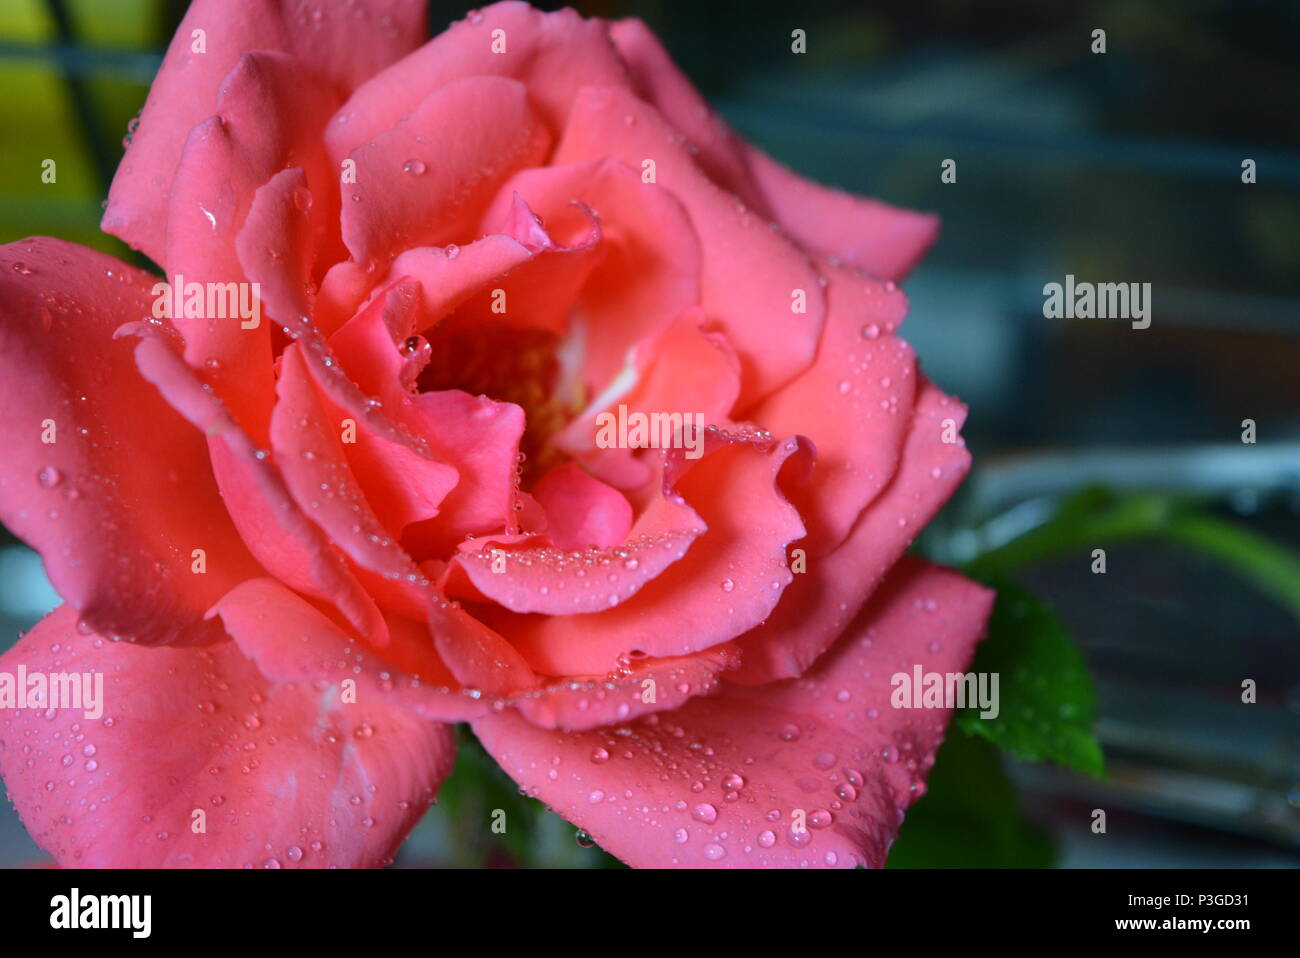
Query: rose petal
point(283, 774)
point(265, 121)
point(821, 603)
point(308, 450)
point(540, 292)
point(828, 745)
point(582, 512)
point(291, 642)
point(476, 436)
point(564, 583)
point(659, 81)
point(551, 53)
point(448, 276)
point(727, 582)
point(274, 246)
point(886, 241)
point(424, 182)
point(649, 267)
point(208, 208)
point(344, 48)
point(284, 540)
point(855, 403)
point(121, 497)
point(687, 370)
point(778, 282)
point(477, 656)
point(641, 687)
point(275, 114)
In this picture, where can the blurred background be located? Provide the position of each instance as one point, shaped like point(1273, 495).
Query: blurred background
point(1117, 167)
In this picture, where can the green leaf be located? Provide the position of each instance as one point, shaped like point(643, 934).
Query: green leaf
point(1096, 517)
point(1046, 700)
point(969, 817)
point(1270, 567)
point(533, 838)
point(1083, 521)
point(466, 802)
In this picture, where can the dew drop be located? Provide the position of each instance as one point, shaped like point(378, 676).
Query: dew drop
point(704, 812)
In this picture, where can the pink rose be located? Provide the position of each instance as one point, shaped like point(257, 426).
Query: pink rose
point(380, 501)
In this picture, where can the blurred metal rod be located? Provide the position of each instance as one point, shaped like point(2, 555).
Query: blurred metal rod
point(1223, 468)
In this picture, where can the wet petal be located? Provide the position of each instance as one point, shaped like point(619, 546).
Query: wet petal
point(722, 781)
point(335, 46)
point(280, 774)
point(101, 476)
point(822, 602)
point(754, 281)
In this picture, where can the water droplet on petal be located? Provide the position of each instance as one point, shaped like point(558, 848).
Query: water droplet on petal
point(704, 812)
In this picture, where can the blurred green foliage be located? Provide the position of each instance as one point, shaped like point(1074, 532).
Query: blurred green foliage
point(69, 98)
point(969, 816)
point(1097, 517)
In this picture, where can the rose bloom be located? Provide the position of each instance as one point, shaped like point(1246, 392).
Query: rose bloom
point(299, 549)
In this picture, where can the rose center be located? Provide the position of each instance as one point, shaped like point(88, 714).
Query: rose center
point(508, 364)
